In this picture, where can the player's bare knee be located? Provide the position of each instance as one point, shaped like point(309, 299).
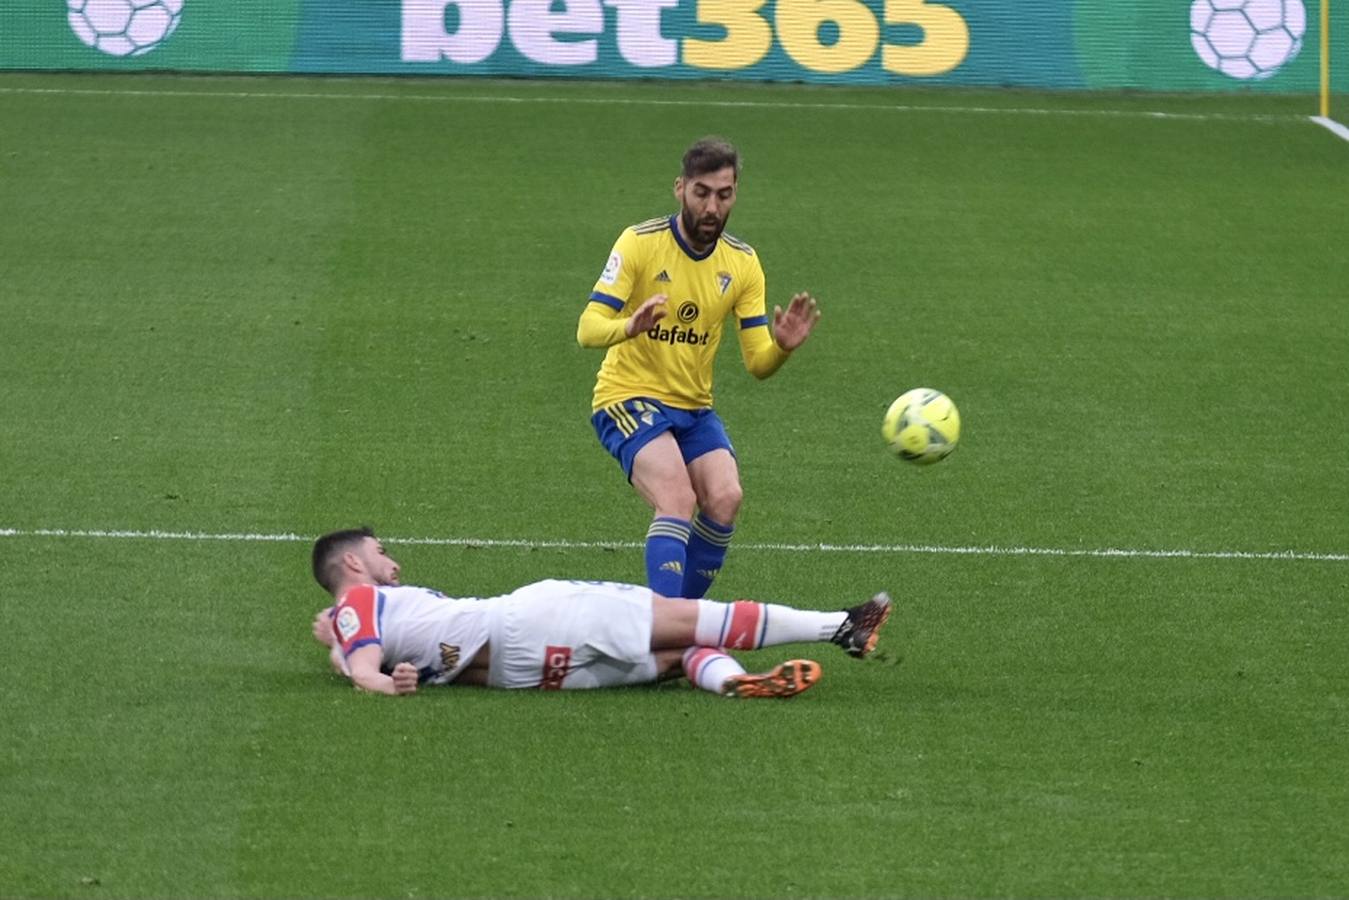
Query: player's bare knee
point(722, 504)
point(677, 501)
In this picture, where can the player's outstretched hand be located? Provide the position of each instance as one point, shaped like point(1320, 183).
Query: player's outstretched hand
point(404, 678)
point(648, 314)
point(791, 328)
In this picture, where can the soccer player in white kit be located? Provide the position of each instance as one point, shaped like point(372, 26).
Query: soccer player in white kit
point(389, 638)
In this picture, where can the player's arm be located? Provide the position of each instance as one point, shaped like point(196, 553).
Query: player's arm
point(765, 351)
point(605, 321)
point(356, 628)
point(602, 325)
point(323, 632)
point(760, 352)
point(365, 674)
point(339, 661)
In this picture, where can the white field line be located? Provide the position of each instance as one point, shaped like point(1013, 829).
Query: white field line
point(522, 543)
point(653, 101)
point(1333, 127)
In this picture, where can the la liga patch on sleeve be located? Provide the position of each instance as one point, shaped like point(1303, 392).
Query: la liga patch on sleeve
point(348, 623)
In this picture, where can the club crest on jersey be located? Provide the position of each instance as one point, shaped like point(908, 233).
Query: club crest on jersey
point(724, 281)
point(610, 273)
point(449, 657)
point(348, 623)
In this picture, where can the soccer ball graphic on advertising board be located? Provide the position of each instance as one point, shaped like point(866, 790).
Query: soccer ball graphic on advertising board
point(124, 27)
point(1247, 39)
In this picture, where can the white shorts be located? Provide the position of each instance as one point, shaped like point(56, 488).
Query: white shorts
point(571, 634)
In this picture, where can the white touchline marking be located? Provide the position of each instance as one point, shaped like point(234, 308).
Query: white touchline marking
point(1334, 127)
point(550, 544)
point(652, 101)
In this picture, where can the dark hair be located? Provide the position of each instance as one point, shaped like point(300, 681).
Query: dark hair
point(710, 154)
point(328, 552)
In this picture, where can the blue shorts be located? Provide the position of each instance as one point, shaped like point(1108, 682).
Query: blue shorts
point(626, 427)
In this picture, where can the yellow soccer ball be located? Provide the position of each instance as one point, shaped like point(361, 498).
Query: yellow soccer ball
point(922, 426)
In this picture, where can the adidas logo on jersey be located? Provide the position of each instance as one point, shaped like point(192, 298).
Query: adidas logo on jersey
point(664, 276)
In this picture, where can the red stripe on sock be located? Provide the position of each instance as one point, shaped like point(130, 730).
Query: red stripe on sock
point(697, 657)
point(744, 631)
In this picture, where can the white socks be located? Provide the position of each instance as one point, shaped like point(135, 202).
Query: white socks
point(745, 625)
point(708, 668)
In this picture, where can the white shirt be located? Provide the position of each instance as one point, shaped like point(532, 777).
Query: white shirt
point(439, 635)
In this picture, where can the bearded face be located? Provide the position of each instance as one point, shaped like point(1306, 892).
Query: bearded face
point(705, 203)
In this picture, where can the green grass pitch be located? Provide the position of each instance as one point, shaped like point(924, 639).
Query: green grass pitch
point(280, 306)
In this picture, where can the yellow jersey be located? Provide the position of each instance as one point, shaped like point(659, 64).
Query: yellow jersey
point(672, 361)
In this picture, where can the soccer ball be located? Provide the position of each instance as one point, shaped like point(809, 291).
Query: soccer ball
point(1247, 39)
point(124, 27)
point(922, 426)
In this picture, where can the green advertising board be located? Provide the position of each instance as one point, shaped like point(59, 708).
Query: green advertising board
point(1191, 45)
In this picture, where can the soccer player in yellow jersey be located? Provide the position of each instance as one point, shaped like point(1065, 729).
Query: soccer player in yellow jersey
point(659, 307)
